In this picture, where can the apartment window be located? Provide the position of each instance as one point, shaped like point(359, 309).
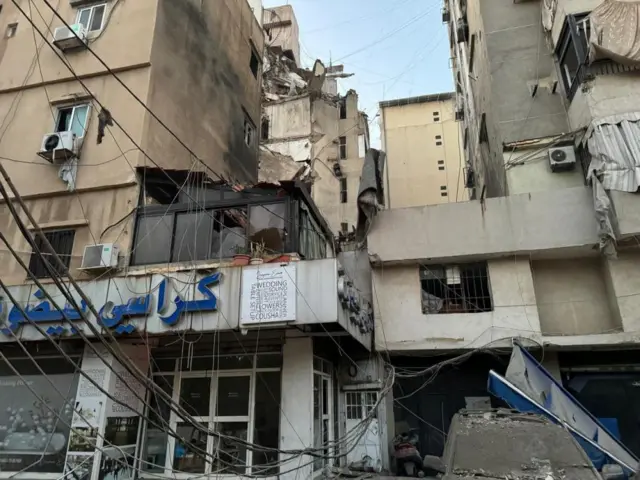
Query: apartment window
point(92, 17)
point(249, 132)
point(460, 288)
point(264, 129)
point(343, 190)
point(572, 50)
point(344, 227)
point(472, 50)
point(254, 62)
point(343, 109)
point(440, 164)
point(438, 143)
point(220, 401)
point(12, 28)
point(484, 134)
point(443, 191)
point(62, 243)
point(436, 116)
point(73, 118)
point(343, 147)
point(438, 137)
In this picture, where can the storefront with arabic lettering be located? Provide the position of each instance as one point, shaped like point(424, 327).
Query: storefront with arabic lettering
point(229, 350)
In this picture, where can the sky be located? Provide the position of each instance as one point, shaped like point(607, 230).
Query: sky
point(395, 48)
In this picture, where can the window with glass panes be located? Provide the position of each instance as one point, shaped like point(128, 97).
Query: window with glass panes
point(236, 395)
point(92, 17)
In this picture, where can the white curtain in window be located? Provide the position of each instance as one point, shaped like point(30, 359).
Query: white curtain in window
point(615, 32)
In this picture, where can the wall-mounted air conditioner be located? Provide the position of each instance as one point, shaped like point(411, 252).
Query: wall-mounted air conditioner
point(562, 159)
point(69, 38)
point(100, 257)
point(59, 147)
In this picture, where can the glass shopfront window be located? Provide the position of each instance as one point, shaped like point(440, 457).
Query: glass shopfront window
point(237, 396)
point(34, 417)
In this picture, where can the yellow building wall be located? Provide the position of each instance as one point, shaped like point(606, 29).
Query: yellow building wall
point(413, 174)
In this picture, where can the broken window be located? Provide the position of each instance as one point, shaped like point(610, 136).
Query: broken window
point(254, 62)
point(12, 28)
point(572, 51)
point(92, 17)
point(249, 132)
point(343, 109)
point(73, 118)
point(455, 288)
point(343, 190)
point(343, 147)
point(266, 226)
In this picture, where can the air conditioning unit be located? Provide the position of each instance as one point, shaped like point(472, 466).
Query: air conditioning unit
point(100, 257)
point(59, 147)
point(69, 38)
point(562, 159)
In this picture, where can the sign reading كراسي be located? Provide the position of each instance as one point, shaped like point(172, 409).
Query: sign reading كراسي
point(268, 294)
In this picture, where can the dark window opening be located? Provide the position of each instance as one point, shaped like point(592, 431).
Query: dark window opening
point(444, 194)
point(442, 187)
point(572, 51)
point(436, 114)
point(343, 109)
point(472, 49)
point(440, 162)
point(438, 143)
point(436, 119)
point(344, 227)
point(484, 135)
point(343, 190)
point(249, 132)
point(455, 288)
point(312, 244)
point(343, 147)
point(254, 63)
point(441, 167)
point(62, 243)
point(438, 137)
point(264, 129)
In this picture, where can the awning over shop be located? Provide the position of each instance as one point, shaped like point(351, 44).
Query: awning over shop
point(528, 387)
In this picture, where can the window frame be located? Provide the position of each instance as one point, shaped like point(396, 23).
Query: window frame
point(342, 147)
point(344, 186)
point(249, 132)
point(466, 272)
point(343, 109)
point(258, 62)
point(92, 9)
point(212, 419)
point(570, 39)
point(211, 207)
point(325, 374)
point(74, 107)
point(37, 266)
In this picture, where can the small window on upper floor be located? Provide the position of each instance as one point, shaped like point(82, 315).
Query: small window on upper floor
point(436, 116)
point(455, 288)
point(73, 118)
point(342, 147)
point(249, 132)
point(62, 243)
point(254, 62)
point(343, 109)
point(343, 190)
point(438, 137)
point(92, 17)
point(438, 143)
point(12, 28)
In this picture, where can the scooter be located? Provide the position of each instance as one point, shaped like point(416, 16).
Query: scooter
point(408, 459)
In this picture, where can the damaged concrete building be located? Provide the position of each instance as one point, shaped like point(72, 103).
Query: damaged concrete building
point(309, 131)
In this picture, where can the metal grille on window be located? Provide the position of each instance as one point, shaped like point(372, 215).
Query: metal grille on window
point(455, 288)
point(62, 243)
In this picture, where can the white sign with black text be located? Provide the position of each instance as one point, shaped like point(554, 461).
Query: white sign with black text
point(268, 294)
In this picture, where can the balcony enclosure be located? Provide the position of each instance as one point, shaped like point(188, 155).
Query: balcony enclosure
point(203, 220)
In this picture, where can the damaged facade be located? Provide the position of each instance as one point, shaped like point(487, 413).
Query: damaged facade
point(546, 251)
point(307, 128)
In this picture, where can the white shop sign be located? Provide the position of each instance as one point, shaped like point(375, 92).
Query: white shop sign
point(268, 294)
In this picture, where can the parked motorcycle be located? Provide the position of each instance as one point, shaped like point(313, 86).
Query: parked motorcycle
point(407, 455)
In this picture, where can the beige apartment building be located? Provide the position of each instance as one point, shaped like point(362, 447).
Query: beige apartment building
point(421, 137)
point(197, 68)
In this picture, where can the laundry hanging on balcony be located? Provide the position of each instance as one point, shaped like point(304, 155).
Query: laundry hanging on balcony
point(615, 32)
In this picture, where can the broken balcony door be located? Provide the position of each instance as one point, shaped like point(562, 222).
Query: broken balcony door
point(367, 449)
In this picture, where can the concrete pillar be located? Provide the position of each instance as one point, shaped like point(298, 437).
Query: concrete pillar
point(622, 278)
point(551, 364)
point(296, 416)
